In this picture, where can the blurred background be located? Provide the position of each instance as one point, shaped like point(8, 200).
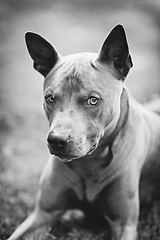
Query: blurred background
point(71, 26)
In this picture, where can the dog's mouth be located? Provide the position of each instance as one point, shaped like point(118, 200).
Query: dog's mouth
point(67, 157)
point(92, 149)
point(61, 155)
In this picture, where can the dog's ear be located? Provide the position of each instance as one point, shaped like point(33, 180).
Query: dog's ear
point(42, 53)
point(115, 51)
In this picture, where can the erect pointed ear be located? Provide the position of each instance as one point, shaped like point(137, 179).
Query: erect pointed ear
point(42, 53)
point(115, 52)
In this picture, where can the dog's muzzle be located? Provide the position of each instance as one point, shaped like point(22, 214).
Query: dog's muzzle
point(61, 146)
point(66, 148)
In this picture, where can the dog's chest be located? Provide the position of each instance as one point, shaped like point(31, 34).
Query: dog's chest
point(90, 169)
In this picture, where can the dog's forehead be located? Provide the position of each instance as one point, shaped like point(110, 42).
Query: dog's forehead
point(79, 71)
point(75, 65)
point(73, 70)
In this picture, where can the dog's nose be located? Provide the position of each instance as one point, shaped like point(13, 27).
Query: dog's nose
point(57, 141)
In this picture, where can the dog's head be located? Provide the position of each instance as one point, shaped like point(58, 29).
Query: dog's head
point(81, 92)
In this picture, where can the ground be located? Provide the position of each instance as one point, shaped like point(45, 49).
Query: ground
point(72, 26)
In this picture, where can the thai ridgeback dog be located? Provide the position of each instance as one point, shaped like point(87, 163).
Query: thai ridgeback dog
point(104, 146)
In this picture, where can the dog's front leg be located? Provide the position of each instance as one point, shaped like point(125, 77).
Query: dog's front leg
point(38, 223)
point(122, 209)
point(123, 230)
point(55, 195)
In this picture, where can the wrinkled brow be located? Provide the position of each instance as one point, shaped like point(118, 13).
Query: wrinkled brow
point(74, 80)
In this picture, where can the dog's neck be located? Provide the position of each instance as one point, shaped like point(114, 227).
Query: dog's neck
point(124, 109)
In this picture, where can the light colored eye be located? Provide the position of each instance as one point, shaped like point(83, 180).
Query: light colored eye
point(49, 99)
point(92, 101)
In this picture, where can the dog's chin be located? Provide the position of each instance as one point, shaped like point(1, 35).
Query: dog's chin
point(65, 158)
point(62, 157)
point(68, 158)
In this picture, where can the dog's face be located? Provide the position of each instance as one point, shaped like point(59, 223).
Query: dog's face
point(81, 101)
point(81, 92)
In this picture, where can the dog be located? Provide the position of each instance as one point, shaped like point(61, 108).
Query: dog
point(104, 146)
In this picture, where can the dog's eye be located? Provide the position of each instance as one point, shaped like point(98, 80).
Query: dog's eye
point(92, 101)
point(49, 99)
